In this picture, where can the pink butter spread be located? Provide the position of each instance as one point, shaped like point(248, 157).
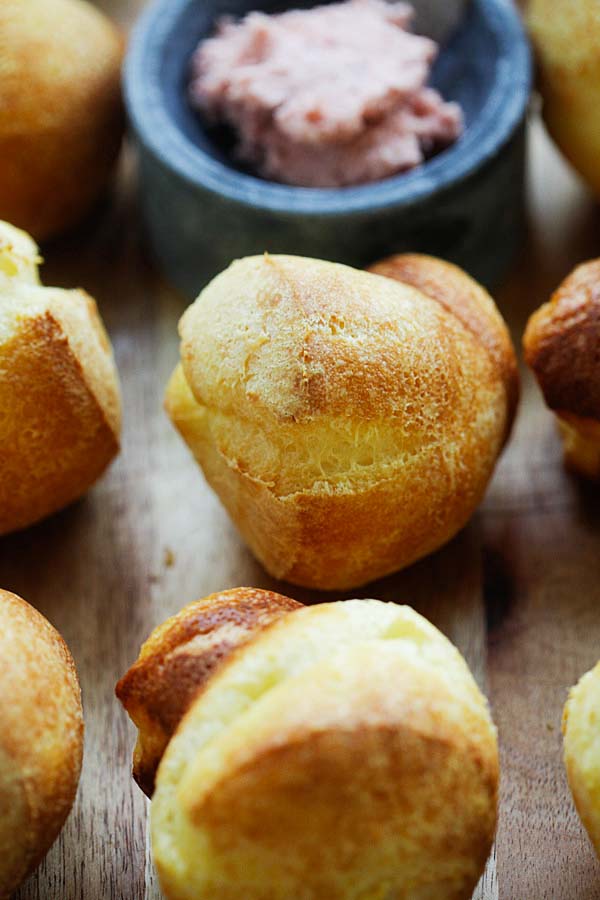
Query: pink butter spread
point(325, 97)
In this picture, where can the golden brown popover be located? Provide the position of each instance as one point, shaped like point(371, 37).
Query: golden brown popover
point(566, 39)
point(41, 738)
point(581, 730)
point(61, 116)
point(179, 657)
point(562, 346)
point(343, 752)
point(349, 422)
point(60, 413)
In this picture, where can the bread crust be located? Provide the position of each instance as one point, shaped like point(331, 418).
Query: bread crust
point(41, 738)
point(318, 399)
point(562, 346)
point(179, 658)
point(56, 440)
point(464, 298)
point(59, 396)
point(351, 782)
point(566, 37)
point(342, 752)
point(61, 114)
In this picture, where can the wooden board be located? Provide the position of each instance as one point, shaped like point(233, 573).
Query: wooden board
point(517, 590)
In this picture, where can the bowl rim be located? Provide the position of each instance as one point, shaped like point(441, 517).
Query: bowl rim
point(156, 130)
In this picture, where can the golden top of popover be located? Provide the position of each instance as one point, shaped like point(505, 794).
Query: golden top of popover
point(345, 752)
point(319, 374)
point(284, 335)
point(41, 738)
point(469, 302)
point(60, 403)
point(566, 39)
point(53, 54)
point(61, 116)
point(179, 658)
point(562, 344)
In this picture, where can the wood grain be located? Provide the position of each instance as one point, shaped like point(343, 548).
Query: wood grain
point(540, 533)
point(517, 591)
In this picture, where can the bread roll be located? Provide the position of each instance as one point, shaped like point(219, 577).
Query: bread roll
point(60, 414)
point(61, 117)
point(343, 752)
point(349, 424)
point(581, 730)
point(566, 39)
point(41, 738)
point(561, 346)
point(179, 657)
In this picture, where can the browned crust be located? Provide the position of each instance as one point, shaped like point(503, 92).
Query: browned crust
point(464, 298)
point(336, 542)
point(61, 113)
point(364, 788)
point(41, 734)
point(562, 345)
point(55, 437)
point(171, 671)
point(319, 340)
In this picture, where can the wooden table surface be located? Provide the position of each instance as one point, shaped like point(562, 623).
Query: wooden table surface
point(517, 591)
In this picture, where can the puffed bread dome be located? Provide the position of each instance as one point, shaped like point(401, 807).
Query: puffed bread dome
point(465, 299)
point(346, 752)
point(581, 730)
point(41, 738)
point(179, 658)
point(349, 423)
point(566, 39)
point(561, 347)
point(61, 113)
point(60, 412)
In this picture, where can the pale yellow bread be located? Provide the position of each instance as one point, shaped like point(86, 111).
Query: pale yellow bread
point(41, 738)
point(178, 659)
point(345, 752)
point(60, 409)
point(566, 38)
point(561, 344)
point(61, 116)
point(581, 730)
point(349, 423)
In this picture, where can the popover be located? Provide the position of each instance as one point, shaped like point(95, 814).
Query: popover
point(343, 752)
point(581, 731)
point(349, 422)
point(61, 112)
point(562, 347)
point(41, 738)
point(60, 408)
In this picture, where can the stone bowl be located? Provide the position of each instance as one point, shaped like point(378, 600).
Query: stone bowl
point(202, 211)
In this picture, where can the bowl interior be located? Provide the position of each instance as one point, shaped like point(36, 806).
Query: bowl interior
point(465, 70)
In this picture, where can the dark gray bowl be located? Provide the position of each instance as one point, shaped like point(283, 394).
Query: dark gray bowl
point(201, 211)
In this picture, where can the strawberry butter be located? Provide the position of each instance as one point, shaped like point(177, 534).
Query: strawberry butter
point(325, 97)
